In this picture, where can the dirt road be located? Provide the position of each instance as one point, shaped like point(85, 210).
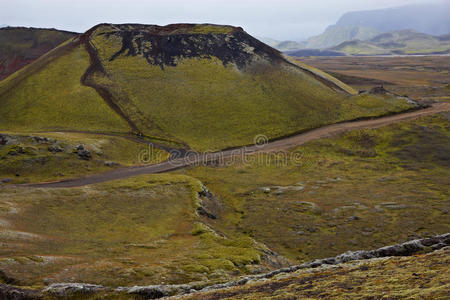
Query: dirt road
point(278, 145)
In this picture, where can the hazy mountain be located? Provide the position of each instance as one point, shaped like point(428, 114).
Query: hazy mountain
point(364, 25)
point(269, 41)
point(282, 45)
point(289, 45)
point(403, 42)
point(334, 35)
point(427, 18)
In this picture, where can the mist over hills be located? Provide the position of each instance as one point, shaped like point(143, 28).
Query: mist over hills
point(402, 42)
point(427, 18)
point(336, 34)
point(361, 26)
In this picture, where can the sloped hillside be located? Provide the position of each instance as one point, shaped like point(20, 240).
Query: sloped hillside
point(205, 87)
point(212, 86)
point(20, 46)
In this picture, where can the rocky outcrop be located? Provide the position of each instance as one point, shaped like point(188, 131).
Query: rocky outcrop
point(8, 292)
point(164, 45)
point(70, 289)
point(82, 152)
point(6, 140)
point(208, 206)
point(62, 290)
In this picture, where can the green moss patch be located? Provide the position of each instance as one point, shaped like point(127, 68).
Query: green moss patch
point(362, 190)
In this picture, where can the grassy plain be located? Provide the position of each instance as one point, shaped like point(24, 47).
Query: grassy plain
point(361, 190)
point(139, 231)
point(29, 158)
point(424, 77)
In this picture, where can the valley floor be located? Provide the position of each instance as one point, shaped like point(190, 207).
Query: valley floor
point(352, 186)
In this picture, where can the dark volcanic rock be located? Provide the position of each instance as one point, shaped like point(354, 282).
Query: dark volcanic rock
point(55, 148)
point(6, 140)
point(163, 45)
point(40, 139)
point(378, 90)
point(12, 293)
point(83, 153)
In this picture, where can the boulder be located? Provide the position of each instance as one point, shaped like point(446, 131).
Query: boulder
point(55, 149)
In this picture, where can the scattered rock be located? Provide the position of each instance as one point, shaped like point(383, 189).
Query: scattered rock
point(203, 212)
point(266, 190)
point(83, 153)
point(111, 164)
point(14, 293)
point(298, 188)
point(353, 218)
point(394, 205)
point(312, 229)
point(55, 149)
point(6, 140)
point(68, 289)
point(16, 151)
point(379, 90)
point(387, 178)
point(40, 139)
point(6, 180)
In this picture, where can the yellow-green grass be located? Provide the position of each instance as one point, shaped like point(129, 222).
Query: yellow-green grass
point(362, 190)
point(210, 106)
point(51, 97)
point(37, 163)
point(138, 231)
point(323, 75)
point(425, 276)
point(422, 77)
point(20, 46)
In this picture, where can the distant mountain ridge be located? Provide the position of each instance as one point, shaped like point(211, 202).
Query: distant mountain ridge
point(402, 42)
point(427, 18)
point(431, 19)
point(334, 35)
point(397, 42)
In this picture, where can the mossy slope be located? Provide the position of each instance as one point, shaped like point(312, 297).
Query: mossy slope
point(362, 190)
point(215, 89)
point(416, 277)
point(48, 95)
point(139, 231)
point(205, 86)
point(20, 46)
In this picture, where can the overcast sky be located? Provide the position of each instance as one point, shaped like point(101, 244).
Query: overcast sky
point(280, 19)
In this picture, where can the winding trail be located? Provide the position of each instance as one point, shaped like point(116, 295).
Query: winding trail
point(192, 158)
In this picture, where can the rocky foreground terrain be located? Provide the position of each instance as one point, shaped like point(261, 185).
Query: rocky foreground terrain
point(415, 268)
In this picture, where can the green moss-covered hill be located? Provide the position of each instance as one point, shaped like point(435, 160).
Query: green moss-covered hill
point(20, 46)
point(206, 87)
